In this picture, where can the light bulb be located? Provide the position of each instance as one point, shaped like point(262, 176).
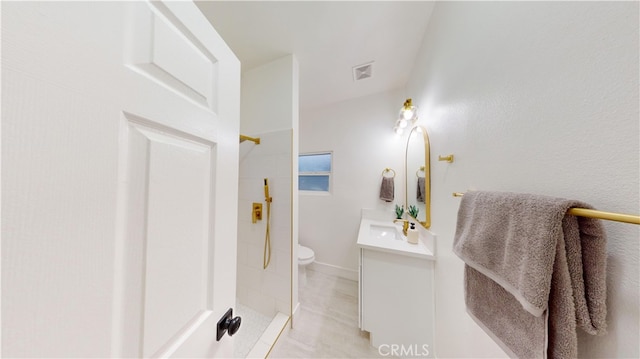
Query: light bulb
point(407, 114)
point(402, 123)
point(398, 130)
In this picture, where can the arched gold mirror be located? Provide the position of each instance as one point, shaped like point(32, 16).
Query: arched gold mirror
point(417, 174)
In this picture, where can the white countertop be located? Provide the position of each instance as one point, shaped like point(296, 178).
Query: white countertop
point(397, 246)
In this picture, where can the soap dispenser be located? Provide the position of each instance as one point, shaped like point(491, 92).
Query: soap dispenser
point(412, 234)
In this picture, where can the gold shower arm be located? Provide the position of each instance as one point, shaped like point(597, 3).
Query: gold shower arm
point(255, 140)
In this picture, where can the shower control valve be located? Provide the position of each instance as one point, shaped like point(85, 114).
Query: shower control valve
point(256, 213)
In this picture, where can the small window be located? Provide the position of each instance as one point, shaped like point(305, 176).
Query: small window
point(314, 172)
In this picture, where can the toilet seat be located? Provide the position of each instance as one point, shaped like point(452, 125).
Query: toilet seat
point(305, 255)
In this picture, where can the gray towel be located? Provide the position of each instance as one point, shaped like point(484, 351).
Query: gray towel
point(386, 189)
point(532, 272)
point(420, 190)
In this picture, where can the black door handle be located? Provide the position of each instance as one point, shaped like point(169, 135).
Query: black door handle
point(228, 324)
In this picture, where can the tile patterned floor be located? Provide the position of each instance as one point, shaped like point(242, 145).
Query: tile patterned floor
point(327, 323)
point(253, 325)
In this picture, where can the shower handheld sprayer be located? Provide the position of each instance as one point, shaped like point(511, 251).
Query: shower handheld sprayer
point(266, 255)
point(266, 190)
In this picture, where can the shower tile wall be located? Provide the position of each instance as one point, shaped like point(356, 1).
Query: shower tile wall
point(265, 290)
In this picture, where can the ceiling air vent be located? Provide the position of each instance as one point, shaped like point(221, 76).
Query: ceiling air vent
point(363, 71)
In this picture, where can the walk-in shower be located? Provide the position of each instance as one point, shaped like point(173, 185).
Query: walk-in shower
point(264, 263)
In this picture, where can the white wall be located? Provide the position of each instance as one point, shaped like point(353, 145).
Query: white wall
point(270, 97)
point(360, 134)
point(534, 97)
point(269, 110)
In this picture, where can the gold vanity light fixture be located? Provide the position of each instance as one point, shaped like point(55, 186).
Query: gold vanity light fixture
point(408, 115)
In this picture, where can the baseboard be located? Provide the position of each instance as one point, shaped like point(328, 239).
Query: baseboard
point(330, 269)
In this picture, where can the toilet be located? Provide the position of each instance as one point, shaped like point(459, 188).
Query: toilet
point(305, 257)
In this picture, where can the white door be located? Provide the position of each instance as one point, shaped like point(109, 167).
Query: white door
point(119, 180)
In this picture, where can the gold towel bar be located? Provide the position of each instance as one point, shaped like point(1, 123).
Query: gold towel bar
point(592, 213)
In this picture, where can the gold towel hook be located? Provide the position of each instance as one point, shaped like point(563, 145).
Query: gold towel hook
point(448, 158)
point(418, 170)
point(388, 170)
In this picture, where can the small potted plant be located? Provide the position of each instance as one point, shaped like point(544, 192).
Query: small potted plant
point(413, 211)
point(399, 212)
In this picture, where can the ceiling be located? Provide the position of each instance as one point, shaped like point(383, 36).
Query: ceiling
point(328, 38)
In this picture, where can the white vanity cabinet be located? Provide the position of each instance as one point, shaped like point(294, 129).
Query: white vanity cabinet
point(396, 293)
point(397, 301)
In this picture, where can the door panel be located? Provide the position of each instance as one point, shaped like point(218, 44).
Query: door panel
point(177, 260)
point(174, 171)
point(120, 138)
point(159, 46)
